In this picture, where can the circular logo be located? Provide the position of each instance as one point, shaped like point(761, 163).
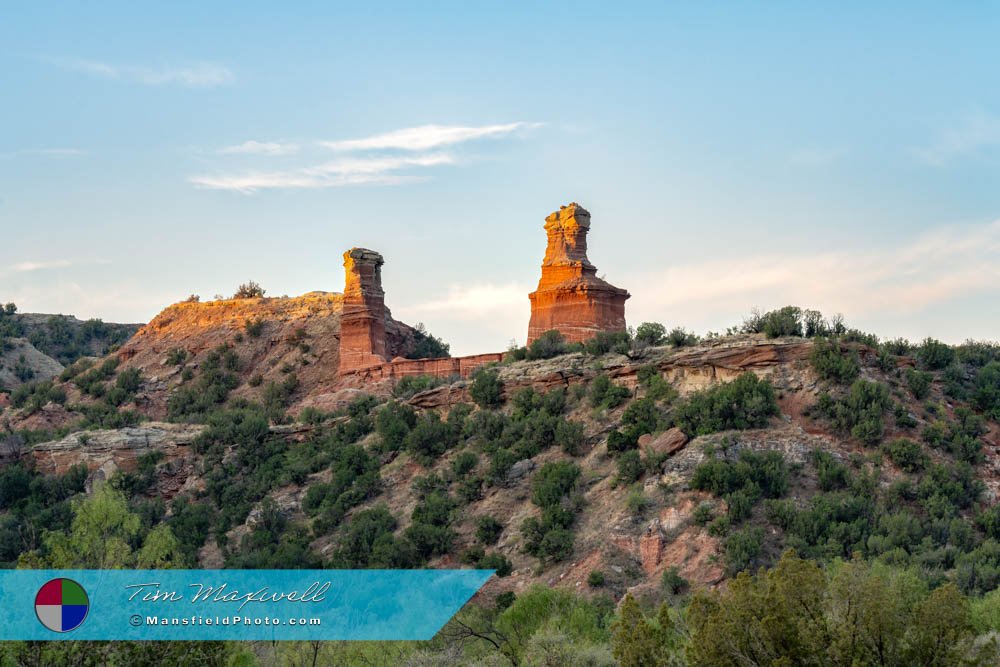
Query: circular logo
point(61, 605)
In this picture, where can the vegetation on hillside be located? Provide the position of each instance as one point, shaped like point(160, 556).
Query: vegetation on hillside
point(883, 549)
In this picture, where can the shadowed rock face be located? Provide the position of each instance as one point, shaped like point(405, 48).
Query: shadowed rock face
point(570, 297)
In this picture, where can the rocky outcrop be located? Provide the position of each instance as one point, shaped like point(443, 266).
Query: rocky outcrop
point(364, 346)
point(570, 297)
point(666, 443)
point(362, 323)
point(96, 449)
point(22, 359)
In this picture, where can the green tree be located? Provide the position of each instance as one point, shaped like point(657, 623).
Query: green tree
point(637, 641)
point(100, 536)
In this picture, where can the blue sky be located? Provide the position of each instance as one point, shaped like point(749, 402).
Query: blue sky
point(845, 158)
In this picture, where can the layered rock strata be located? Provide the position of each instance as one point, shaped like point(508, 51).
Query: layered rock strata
point(570, 298)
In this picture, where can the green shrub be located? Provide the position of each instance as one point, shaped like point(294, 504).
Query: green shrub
point(619, 342)
point(569, 436)
point(549, 344)
point(672, 583)
point(486, 389)
point(906, 454)
point(919, 383)
point(630, 467)
point(254, 327)
point(554, 481)
point(986, 390)
point(498, 562)
point(830, 473)
point(411, 385)
point(216, 379)
point(651, 333)
point(703, 513)
point(606, 394)
point(656, 386)
point(595, 579)
point(934, 354)
point(860, 412)
point(743, 549)
point(767, 472)
point(636, 501)
point(488, 530)
point(427, 345)
point(785, 321)
point(681, 337)
point(746, 402)
point(463, 464)
point(834, 362)
point(33, 397)
point(429, 438)
point(393, 423)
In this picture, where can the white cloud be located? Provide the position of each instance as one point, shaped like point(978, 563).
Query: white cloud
point(476, 301)
point(338, 173)
point(30, 266)
point(942, 265)
point(193, 75)
point(975, 134)
point(393, 158)
point(24, 267)
point(426, 137)
point(260, 148)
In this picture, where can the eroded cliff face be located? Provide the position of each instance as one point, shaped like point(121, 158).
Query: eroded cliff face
point(273, 338)
point(570, 297)
point(362, 322)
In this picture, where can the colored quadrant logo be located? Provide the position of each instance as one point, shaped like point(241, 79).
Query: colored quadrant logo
point(61, 605)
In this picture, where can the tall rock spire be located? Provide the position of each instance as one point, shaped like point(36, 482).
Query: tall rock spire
point(362, 323)
point(570, 297)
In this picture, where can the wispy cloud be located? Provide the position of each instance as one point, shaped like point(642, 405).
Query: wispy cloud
point(44, 265)
point(260, 148)
point(193, 75)
point(396, 157)
point(426, 137)
point(974, 135)
point(338, 173)
point(942, 265)
point(476, 301)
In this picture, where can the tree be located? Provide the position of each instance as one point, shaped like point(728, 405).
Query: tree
point(487, 389)
point(637, 641)
point(651, 333)
point(100, 535)
point(249, 290)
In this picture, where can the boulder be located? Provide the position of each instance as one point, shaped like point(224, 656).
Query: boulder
point(669, 442)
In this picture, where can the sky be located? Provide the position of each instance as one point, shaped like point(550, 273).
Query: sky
point(837, 156)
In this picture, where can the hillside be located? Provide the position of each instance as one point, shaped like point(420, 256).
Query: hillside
point(608, 468)
point(35, 346)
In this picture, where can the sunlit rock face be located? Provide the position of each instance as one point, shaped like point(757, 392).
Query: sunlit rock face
point(362, 323)
point(570, 297)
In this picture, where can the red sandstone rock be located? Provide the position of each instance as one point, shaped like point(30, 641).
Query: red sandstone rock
point(570, 297)
point(363, 347)
point(669, 442)
point(362, 322)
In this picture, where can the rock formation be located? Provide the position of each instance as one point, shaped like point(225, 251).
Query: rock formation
point(570, 297)
point(364, 352)
point(362, 322)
